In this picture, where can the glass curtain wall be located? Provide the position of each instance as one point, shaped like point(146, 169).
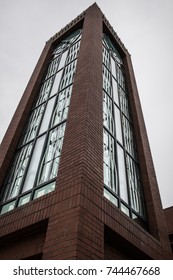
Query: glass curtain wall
point(34, 167)
point(122, 181)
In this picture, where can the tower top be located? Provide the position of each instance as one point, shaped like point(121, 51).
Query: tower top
point(80, 18)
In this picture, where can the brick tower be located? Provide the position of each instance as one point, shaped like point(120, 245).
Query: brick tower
point(77, 178)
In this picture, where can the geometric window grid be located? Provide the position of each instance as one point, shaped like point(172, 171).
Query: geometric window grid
point(122, 180)
point(34, 167)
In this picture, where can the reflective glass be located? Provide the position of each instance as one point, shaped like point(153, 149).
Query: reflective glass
point(128, 137)
point(24, 199)
point(118, 124)
point(62, 105)
point(110, 197)
point(125, 209)
point(44, 190)
point(107, 81)
point(44, 91)
point(47, 115)
point(68, 74)
point(8, 207)
point(122, 174)
point(73, 52)
point(110, 170)
point(53, 66)
point(32, 125)
point(63, 59)
point(106, 58)
point(113, 67)
point(134, 183)
point(51, 157)
point(124, 103)
point(120, 77)
point(15, 177)
point(115, 91)
point(56, 83)
point(121, 171)
point(108, 118)
point(33, 166)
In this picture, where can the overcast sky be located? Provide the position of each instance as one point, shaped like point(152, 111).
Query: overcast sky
point(145, 28)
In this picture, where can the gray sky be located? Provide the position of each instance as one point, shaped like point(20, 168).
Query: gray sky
point(145, 28)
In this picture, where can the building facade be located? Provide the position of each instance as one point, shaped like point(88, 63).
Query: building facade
point(77, 177)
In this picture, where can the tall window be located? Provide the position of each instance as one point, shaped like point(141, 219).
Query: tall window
point(122, 181)
point(35, 163)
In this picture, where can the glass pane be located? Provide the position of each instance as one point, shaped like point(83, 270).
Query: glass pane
point(47, 115)
point(125, 209)
point(32, 125)
point(8, 207)
point(122, 174)
point(106, 58)
point(124, 103)
point(135, 186)
point(50, 161)
point(17, 171)
point(107, 81)
point(118, 124)
point(115, 91)
point(68, 75)
point(63, 59)
point(128, 137)
point(44, 190)
point(120, 77)
point(35, 161)
point(52, 67)
point(110, 197)
point(113, 67)
point(61, 110)
point(73, 52)
point(44, 91)
point(24, 199)
point(56, 83)
point(108, 118)
point(110, 170)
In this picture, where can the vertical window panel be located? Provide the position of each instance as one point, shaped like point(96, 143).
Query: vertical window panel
point(62, 105)
point(113, 67)
point(122, 174)
point(63, 59)
point(68, 75)
point(120, 77)
point(128, 194)
point(51, 157)
point(134, 183)
point(17, 172)
point(33, 166)
point(124, 103)
point(53, 66)
point(108, 118)
point(128, 137)
point(44, 91)
point(56, 83)
point(110, 170)
point(115, 91)
point(106, 58)
point(47, 115)
point(118, 125)
point(107, 81)
point(32, 125)
point(73, 52)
